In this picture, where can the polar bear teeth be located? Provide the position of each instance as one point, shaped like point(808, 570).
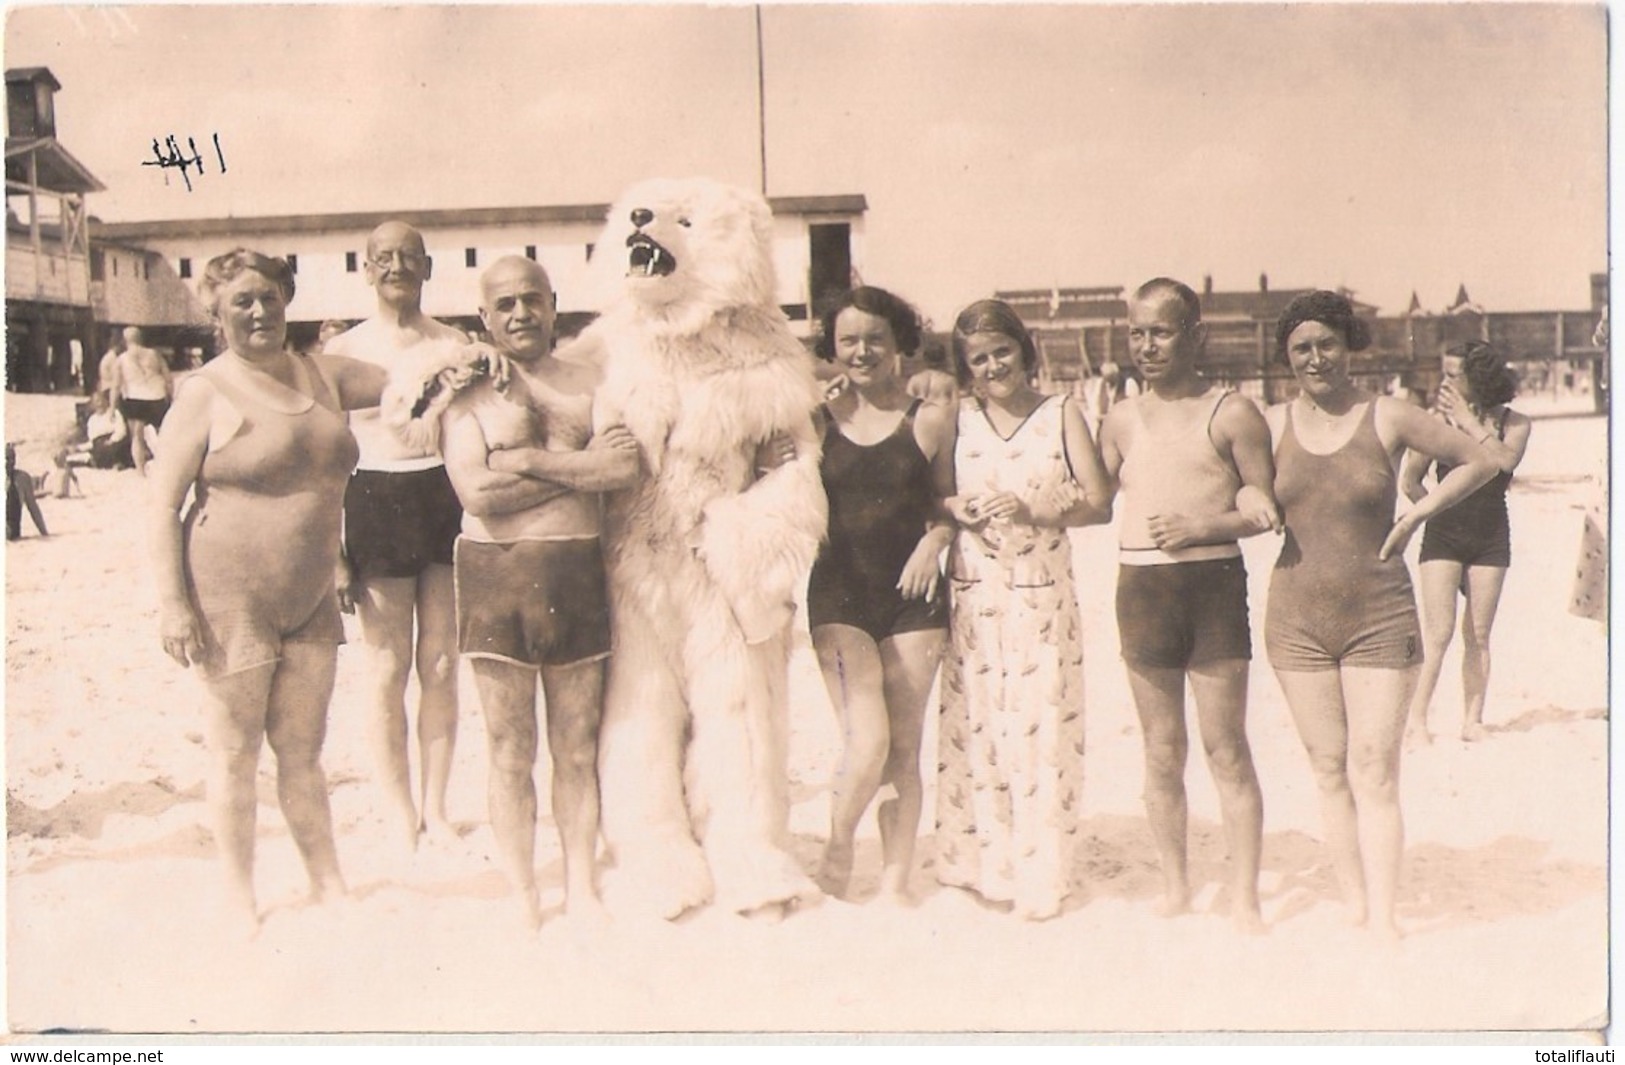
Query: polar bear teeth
point(647, 258)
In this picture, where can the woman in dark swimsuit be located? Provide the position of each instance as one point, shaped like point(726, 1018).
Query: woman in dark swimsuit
point(1469, 547)
point(1340, 627)
point(246, 580)
point(875, 604)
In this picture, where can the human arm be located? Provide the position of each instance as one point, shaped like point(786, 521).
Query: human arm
point(934, 386)
point(182, 443)
point(1505, 451)
point(1084, 496)
point(609, 462)
point(1401, 425)
point(935, 430)
point(166, 373)
point(1079, 498)
point(1411, 471)
point(359, 384)
point(485, 492)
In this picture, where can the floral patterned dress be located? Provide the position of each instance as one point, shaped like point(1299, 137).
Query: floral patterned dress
point(1010, 762)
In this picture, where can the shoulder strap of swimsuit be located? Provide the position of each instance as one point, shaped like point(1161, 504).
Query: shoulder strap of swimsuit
point(913, 408)
point(321, 389)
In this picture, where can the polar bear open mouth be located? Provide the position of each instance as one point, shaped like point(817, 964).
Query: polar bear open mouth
point(647, 258)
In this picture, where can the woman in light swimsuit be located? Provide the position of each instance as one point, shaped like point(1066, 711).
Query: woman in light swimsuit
point(874, 603)
point(1340, 627)
point(1469, 547)
point(246, 578)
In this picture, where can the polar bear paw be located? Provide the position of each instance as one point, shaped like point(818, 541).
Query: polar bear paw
point(664, 880)
point(771, 884)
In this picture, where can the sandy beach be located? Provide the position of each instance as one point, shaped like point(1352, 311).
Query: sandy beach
point(110, 866)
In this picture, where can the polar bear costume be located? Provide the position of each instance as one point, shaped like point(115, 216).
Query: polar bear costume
point(706, 554)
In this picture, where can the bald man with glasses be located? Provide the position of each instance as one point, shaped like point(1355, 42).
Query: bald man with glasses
point(401, 519)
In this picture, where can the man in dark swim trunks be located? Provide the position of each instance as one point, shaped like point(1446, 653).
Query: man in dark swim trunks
point(1187, 454)
point(532, 598)
point(400, 521)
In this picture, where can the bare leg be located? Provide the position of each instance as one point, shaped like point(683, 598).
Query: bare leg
point(1440, 579)
point(138, 444)
point(909, 664)
point(1159, 697)
point(436, 654)
point(508, 699)
point(25, 488)
point(575, 702)
point(1315, 699)
point(296, 726)
point(385, 606)
point(853, 672)
point(1483, 586)
point(1221, 713)
point(236, 710)
point(1376, 701)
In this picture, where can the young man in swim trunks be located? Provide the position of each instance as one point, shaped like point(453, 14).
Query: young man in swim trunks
point(141, 391)
point(532, 598)
point(400, 520)
point(1192, 461)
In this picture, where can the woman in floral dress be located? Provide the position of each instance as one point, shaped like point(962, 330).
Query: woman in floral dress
point(1010, 770)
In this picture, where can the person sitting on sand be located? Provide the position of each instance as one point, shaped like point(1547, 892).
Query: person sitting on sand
point(20, 495)
point(60, 482)
point(107, 444)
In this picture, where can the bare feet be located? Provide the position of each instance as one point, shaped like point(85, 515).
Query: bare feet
point(1418, 736)
point(439, 831)
point(530, 908)
point(1472, 732)
point(1248, 920)
point(835, 871)
point(587, 911)
point(1174, 903)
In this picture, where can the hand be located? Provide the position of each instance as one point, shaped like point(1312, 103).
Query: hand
point(474, 360)
point(182, 638)
point(506, 460)
point(344, 584)
point(1457, 411)
point(1064, 495)
point(1003, 506)
point(1171, 532)
point(1398, 536)
point(921, 574)
point(966, 512)
point(615, 436)
point(1260, 511)
point(774, 452)
point(498, 366)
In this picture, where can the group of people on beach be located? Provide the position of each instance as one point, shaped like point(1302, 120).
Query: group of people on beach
point(482, 541)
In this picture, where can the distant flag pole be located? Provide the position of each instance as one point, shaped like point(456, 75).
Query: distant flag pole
point(761, 99)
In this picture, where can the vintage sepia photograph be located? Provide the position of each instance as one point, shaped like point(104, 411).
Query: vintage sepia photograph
point(1066, 519)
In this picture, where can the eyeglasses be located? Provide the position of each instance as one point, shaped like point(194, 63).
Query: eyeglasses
point(409, 260)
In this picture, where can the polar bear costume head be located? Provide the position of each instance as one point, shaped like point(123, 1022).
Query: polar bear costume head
point(676, 252)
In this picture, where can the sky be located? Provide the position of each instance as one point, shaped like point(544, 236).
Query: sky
point(1386, 148)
